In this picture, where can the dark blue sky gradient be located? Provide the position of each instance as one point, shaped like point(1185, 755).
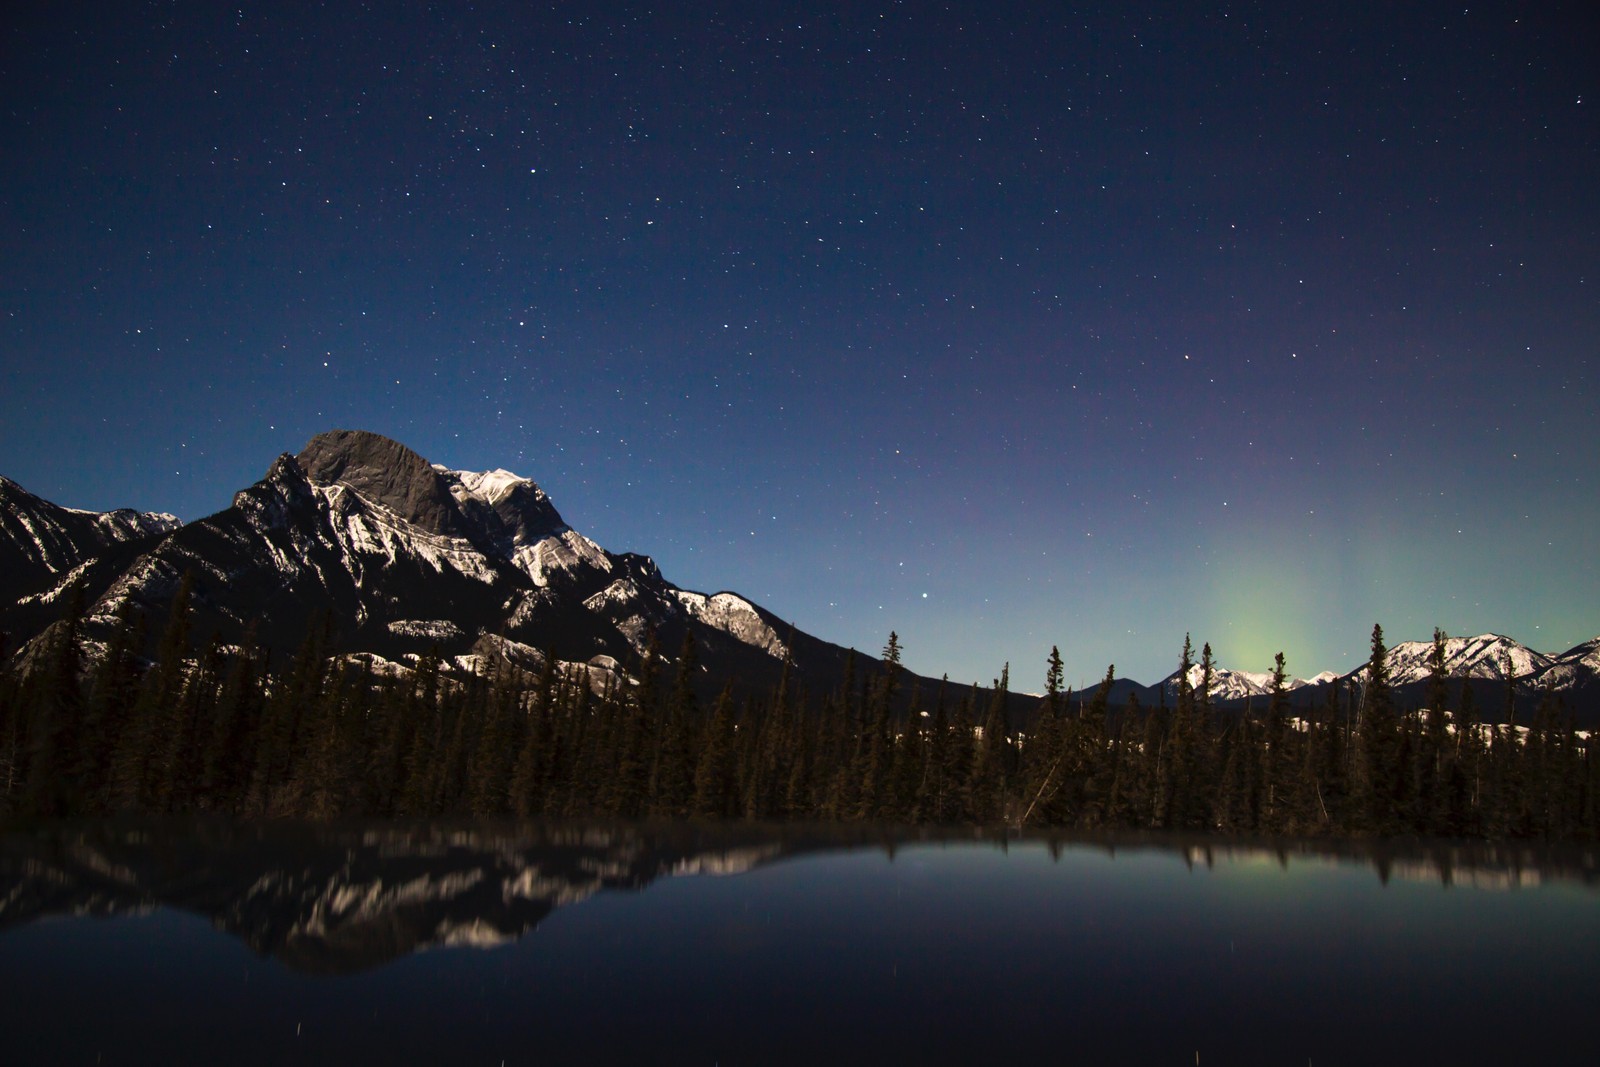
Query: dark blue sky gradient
point(1000, 325)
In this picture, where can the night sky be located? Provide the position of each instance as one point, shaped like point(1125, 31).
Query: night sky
point(998, 325)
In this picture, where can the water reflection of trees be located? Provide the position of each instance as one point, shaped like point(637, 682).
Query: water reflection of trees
point(341, 899)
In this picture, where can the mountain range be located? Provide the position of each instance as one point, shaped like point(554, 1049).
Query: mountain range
point(406, 557)
point(1485, 663)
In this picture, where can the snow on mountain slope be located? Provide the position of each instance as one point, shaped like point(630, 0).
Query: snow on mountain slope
point(430, 629)
point(1586, 654)
point(558, 556)
point(486, 486)
point(371, 535)
point(733, 615)
point(1227, 684)
point(40, 541)
point(1485, 656)
point(1574, 667)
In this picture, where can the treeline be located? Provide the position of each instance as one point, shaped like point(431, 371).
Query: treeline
point(325, 736)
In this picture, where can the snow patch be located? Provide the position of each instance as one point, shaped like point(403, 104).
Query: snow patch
point(373, 530)
point(487, 486)
point(561, 554)
point(735, 616)
point(430, 629)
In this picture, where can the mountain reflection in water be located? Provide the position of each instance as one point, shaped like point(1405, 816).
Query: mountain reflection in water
point(339, 900)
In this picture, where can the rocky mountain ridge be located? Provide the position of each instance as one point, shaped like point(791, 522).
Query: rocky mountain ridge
point(408, 557)
point(40, 542)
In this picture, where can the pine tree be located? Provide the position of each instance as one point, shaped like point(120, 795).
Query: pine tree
point(112, 693)
point(964, 786)
point(629, 785)
point(877, 751)
point(713, 773)
point(139, 754)
point(1274, 763)
point(319, 785)
point(176, 762)
point(415, 795)
point(224, 773)
point(933, 794)
point(1379, 778)
point(672, 772)
point(1179, 788)
point(992, 779)
point(1432, 769)
point(532, 776)
point(489, 778)
point(1039, 766)
point(1233, 813)
point(56, 697)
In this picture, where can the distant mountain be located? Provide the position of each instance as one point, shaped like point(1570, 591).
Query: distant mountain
point(1229, 684)
point(1487, 656)
point(1575, 669)
point(406, 557)
point(1481, 662)
point(41, 541)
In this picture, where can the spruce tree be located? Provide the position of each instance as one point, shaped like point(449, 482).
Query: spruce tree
point(139, 755)
point(933, 795)
point(672, 771)
point(993, 774)
point(489, 777)
point(1433, 767)
point(55, 733)
point(1274, 764)
point(713, 773)
point(1379, 777)
point(629, 785)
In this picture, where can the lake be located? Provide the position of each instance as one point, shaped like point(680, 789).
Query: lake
point(463, 943)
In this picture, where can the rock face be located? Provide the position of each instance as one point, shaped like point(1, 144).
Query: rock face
point(385, 473)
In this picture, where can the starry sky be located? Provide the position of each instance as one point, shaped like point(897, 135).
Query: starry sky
point(1000, 325)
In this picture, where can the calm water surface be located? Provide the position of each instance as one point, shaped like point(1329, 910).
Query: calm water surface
point(523, 945)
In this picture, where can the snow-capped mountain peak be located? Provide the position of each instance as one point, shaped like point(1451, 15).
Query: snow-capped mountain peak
point(1485, 656)
point(404, 557)
point(1227, 684)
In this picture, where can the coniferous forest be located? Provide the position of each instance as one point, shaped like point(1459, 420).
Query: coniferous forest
point(322, 736)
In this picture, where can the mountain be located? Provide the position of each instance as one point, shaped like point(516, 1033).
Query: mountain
point(1575, 669)
point(1490, 664)
point(41, 541)
point(1488, 656)
point(404, 557)
point(1230, 685)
